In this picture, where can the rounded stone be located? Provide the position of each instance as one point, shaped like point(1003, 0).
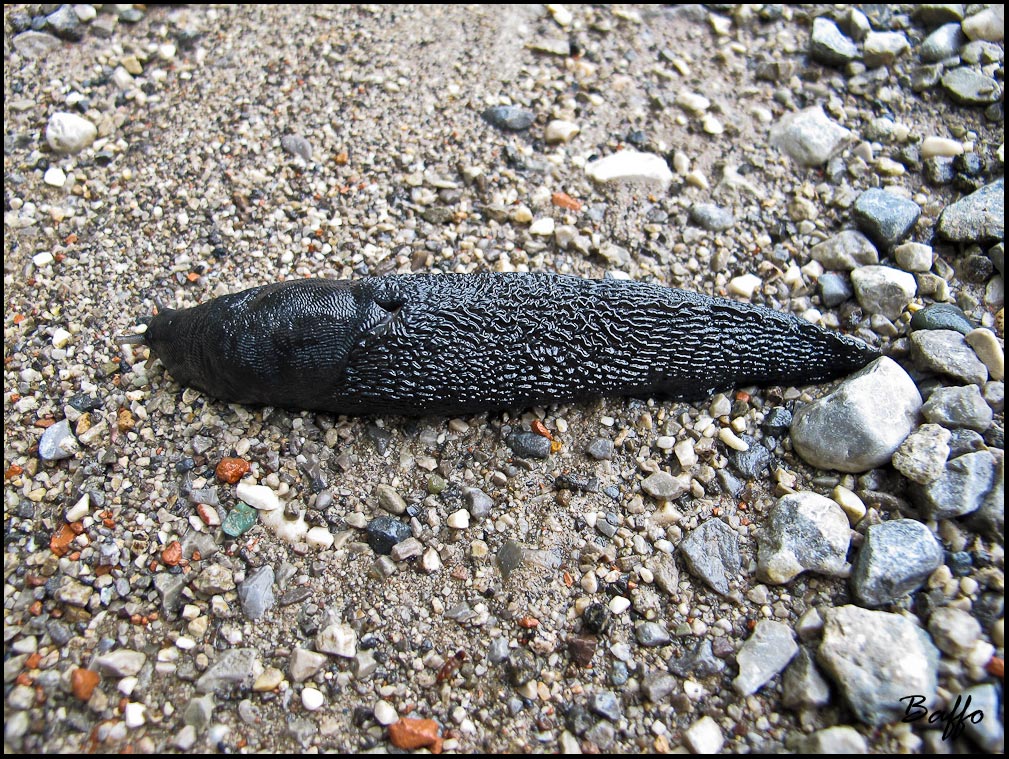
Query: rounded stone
point(804, 532)
point(69, 133)
point(896, 558)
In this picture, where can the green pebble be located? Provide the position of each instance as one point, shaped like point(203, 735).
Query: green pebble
point(436, 484)
point(941, 316)
point(239, 520)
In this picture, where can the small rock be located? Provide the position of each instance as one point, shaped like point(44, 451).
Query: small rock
point(711, 551)
point(529, 445)
point(979, 217)
point(954, 631)
point(989, 350)
point(337, 639)
point(651, 634)
point(34, 44)
point(883, 48)
point(896, 558)
point(711, 217)
point(632, 167)
point(847, 250)
point(802, 684)
point(828, 45)
point(988, 24)
point(954, 407)
point(312, 699)
point(752, 461)
point(704, 737)
point(385, 532)
point(941, 44)
point(885, 218)
point(559, 131)
point(389, 499)
point(804, 532)
point(69, 133)
point(259, 497)
point(946, 352)
point(57, 442)
point(764, 654)
point(961, 488)
point(808, 137)
point(913, 256)
point(122, 662)
point(699, 662)
point(745, 285)
point(600, 449)
point(411, 734)
point(297, 146)
point(835, 288)
point(848, 429)
point(235, 668)
point(876, 658)
point(882, 290)
point(656, 687)
point(663, 486)
point(941, 316)
point(988, 734)
point(83, 683)
point(256, 592)
point(509, 117)
point(969, 87)
point(922, 456)
point(606, 705)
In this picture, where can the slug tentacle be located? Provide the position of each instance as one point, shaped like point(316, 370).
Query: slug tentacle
point(456, 344)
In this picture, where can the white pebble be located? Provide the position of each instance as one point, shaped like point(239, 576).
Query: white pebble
point(257, 496)
point(42, 259)
point(543, 227)
point(732, 440)
point(704, 736)
point(385, 713)
point(312, 699)
point(665, 442)
point(319, 537)
point(79, 510)
point(685, 453)
point(133, 714)
point(745, 285)
point(619, 604)
point(60, 337)
point(458, 520)
point(560, 131)
point(940, 146)
point(54, 177)
point(986, 346)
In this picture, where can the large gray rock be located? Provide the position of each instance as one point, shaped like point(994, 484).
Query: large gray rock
point(955, 407)
point(850, 430)
point(941, 44)
point(808, 137)
point(883, 290)
point(988, 733)
point(763, 655)
point(969, 87)
point(883, 48)
point(846, 250)
point(884, 217)
point(961, 489)
point(711, 551)
point(896, 558)
point(990, 516)
point(944, 351)
point(32, 44)
point(876, 658)
point(235, 668)
point(57, 442)
point(804, 532)
point(979, 217)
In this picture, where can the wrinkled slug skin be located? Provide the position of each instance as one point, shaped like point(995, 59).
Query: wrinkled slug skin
point(456, 344)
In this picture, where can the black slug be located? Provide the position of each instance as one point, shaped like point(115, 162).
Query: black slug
point(458, 344)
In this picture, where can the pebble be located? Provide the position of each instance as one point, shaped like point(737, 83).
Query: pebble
point(559, 131)
point(312, 698)
point(883, 48)
point(35, 44)
point(885, 218)
point(846, 250)
point(829, 46)
point(256, 592)
point(834, 741)
point(385, 713)
point(385, 532)
point(960, 489)
point(239, 520)
point(542, 227)
point(631, 166)
point(711, 217)
point(848, 429)
point(711, 551)
point(606, 705)
point(804, 532)
point(835, 288)
point(704, 737)
point(883, 290)
point(944, 351)
point(896, 558)
point(389, 499)
point(57, 442)
point(458, 520)
point(764, 654)
point(411, 733)
point(988, 24)
point(69, 133)
point(83, 683)
point(600, 449)
point(259, 497)
point(54, 177)
point(745, 285)
point(954, 407)
point(988, 348)
point(122, 662)
point(875, 658)
point(922, 456)
point(234, 668)
point(808, 137)
point(651, 634)
point(657, 686)
point(941, 316)
point(969, 87)
point(941, 44)
point(940, 146)
point(511, 118)
point(913, 256)
point(749, 459)
point(700, 661)
point(269, 680)
point(663, 486)
point(337, 639)
point(297, 146)
point(979, 217)
point(954, 630)
point(802, 684)
point(529, 445)
point(987, 734)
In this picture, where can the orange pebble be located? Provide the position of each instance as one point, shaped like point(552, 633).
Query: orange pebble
point(83, 683)
point(172, 554)
point(231, 470)
point(411, 733)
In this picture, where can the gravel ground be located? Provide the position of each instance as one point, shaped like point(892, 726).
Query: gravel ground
point(769, 570)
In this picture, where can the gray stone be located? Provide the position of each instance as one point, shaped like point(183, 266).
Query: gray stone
point(941, 316)
point(883, 48)
point(69, 133)
point(663, 486)
point(389, 499)
point(835, 288)
point(846, 250)
point(700, 661)
point(601, 735)
point(600, 449)
point(478, 503)
point(711, 217)
point(804, 532)
point(214, 579)
point(751, 462)
point(808, 137)
point(256, 592)
point(886, 219)
point(841, 739)
point(990, 516)
point(605, 704)
point(57, 442)
point(960, 490)
point(849, 430)
point(987, 24)
point(33, 44)
point(651, 634)
point(764, 654)
point(988, 733)
point(656, 687)
point(941, 44)
point(122, 662)
point(979, 52)
point(883, 290)
point(802, 684)
point(509, 117)
point(65, 23)
point(711, 551)
point(954, 407)
point(828, 45)
point(997, 255)
point(235, 668)
point(170, 587)
point(337, 639)
point(896, 558)
point(969, 87)
point(304, 664)
point(947, 352)
point(922, 457)
point(199, 711)
point(954, 630)
point(913, 256)
point(876, 658)
point(931, 15)
point(297, 146)
point(529, 445)
point(979, 217)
